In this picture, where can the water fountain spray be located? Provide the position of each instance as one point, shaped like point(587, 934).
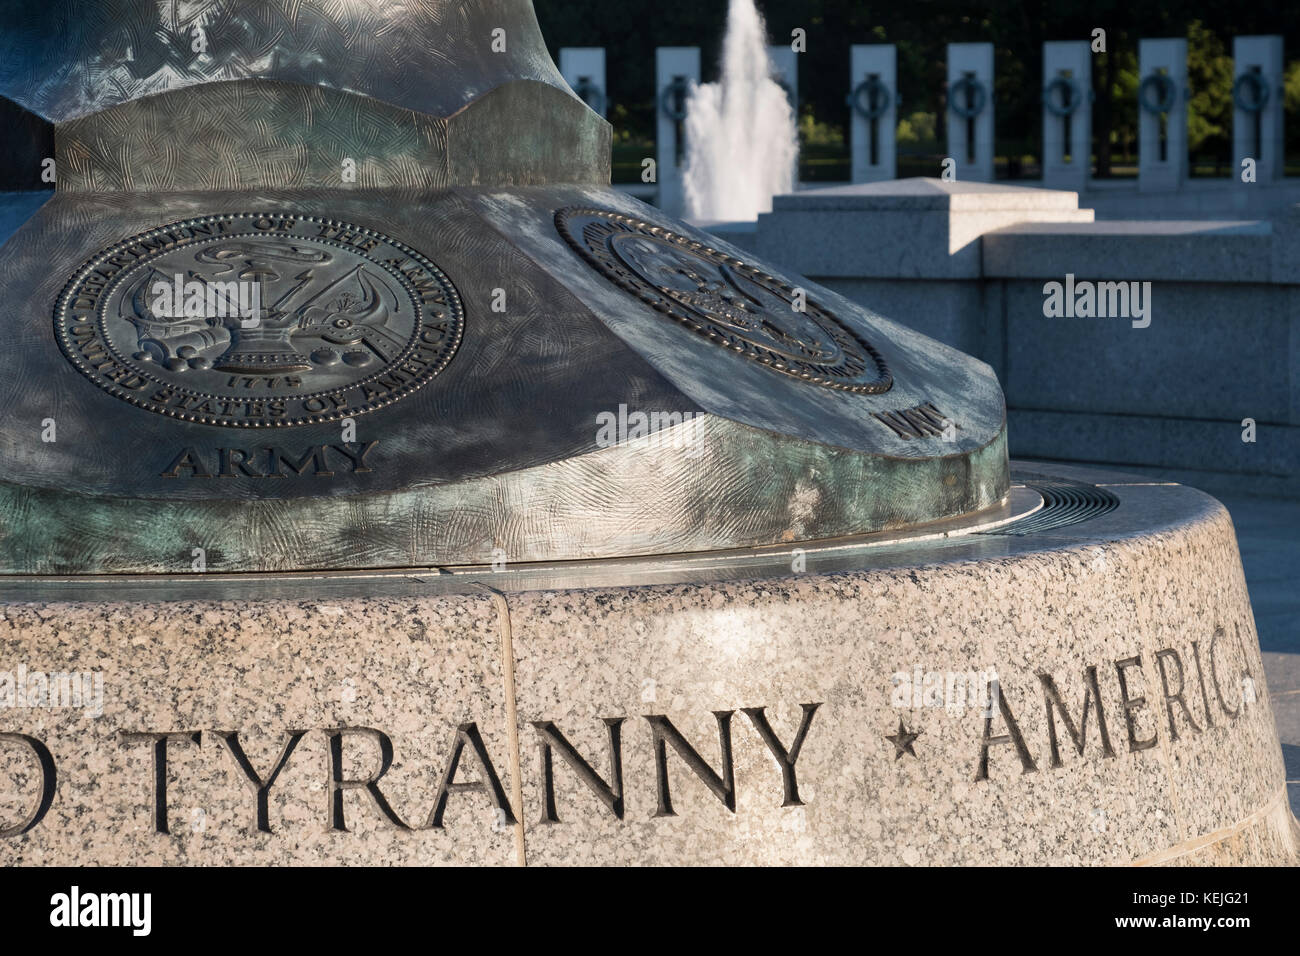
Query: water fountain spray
point(742, 145)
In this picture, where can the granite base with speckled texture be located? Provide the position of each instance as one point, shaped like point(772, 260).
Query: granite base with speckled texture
point(828, 716)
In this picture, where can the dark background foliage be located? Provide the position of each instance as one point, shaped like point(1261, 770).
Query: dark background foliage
point(630, 30)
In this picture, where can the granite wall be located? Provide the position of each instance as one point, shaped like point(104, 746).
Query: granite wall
point(1172, 390)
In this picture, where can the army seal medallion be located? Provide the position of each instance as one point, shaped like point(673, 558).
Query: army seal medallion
point(260, 319)
point(733, 304)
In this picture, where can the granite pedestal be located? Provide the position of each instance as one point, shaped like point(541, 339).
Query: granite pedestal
point(823, 704)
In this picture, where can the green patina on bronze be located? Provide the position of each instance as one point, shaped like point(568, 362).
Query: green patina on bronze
point(51, 532)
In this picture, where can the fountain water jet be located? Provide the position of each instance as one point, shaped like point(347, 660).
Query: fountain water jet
point(742, 146)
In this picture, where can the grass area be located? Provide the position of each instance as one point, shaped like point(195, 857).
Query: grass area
point(627, 159)
point(823, 163)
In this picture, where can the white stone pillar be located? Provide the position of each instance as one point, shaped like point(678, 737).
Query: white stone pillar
point(1162, 114)
point(1257, 133)
point(583, 68)
point(1067, 114)
point(677, 68)
point(873, 111)
point(970, 110)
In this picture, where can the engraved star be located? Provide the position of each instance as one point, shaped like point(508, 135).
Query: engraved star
point(902, 740)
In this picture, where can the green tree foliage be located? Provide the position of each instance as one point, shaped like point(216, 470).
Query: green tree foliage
point(919, 132)
point(1210, 75)
point(1115, 113)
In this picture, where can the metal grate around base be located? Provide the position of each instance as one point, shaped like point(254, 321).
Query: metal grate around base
point(1065, 503)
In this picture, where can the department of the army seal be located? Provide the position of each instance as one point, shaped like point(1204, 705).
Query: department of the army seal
point(734, 304)
point(260, 319)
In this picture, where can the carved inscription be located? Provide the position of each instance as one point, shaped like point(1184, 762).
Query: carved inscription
point(271, 461)
point(1181, 693)
point(469, 770)
point(921, 421)
point(1045, 722)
